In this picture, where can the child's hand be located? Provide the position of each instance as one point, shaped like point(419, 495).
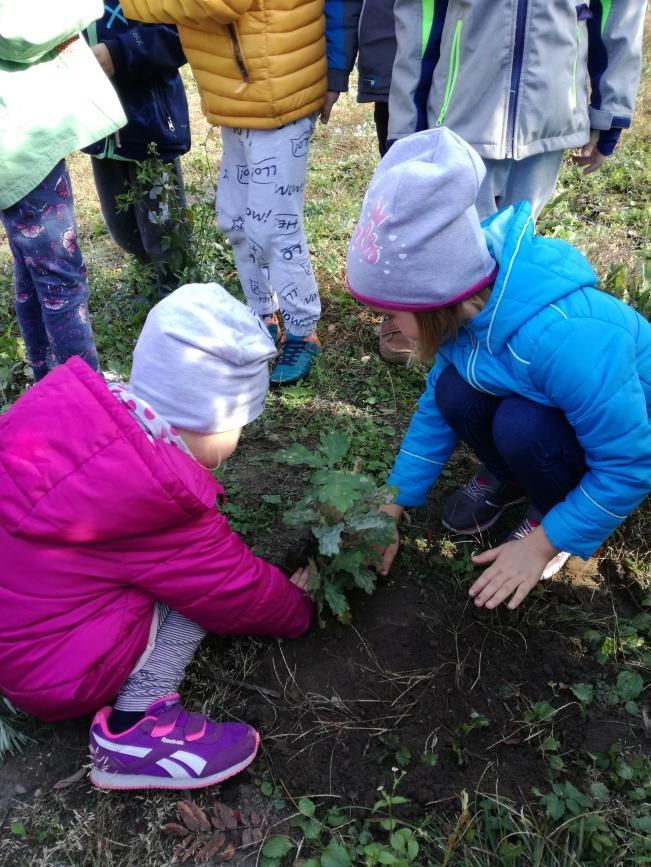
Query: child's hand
point(516, 568)
point(103, 57)
point(391, 550)
point(590, 159)
point(331, 97)
point(301, 578)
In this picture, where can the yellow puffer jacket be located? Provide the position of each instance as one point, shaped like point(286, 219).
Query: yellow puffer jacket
point(259, 64)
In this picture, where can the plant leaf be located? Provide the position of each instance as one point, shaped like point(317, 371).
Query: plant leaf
point(329, 538)
point(583, 691)
point(599, 791)
point(307, 807)
point(277, 847)
point(336, 600)
point(297, 455)
point(335, 855)
point(629, 685)
point(334, 447)
point(338, 488)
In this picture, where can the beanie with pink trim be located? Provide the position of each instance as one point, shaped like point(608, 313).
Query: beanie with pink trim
point(418, 244)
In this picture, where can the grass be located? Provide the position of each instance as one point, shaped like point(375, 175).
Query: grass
point(591, 809)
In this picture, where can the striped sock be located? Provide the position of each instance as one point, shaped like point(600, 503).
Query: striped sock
point(176, 642)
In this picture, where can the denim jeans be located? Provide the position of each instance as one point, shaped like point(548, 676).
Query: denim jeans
point(51, 287)
point(516, 439)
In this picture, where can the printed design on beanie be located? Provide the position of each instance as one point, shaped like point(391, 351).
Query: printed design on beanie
point(365, 237)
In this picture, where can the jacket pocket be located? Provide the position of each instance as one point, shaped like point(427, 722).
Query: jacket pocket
point(164, 108)
point(237, 52)
point(453, 72)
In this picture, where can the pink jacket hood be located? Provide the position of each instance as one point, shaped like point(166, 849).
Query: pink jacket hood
point(97, 524)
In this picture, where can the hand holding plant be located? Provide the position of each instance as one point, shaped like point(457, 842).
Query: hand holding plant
point(345, 510)
point(389, 553)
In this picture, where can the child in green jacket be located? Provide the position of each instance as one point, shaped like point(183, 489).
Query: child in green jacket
point(55, 99)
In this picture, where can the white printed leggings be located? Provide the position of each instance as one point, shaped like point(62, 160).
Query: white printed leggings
point(260, 198)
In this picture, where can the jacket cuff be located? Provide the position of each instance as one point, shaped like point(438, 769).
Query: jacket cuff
point(556, 530)
point(338, 80)
point(115, 49)
point(607, 141)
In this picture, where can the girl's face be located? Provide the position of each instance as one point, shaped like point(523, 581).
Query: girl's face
point(406, 322)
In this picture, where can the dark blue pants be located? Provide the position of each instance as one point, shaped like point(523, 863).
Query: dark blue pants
point(517, 439)
point(145, 227)
point(51, 288)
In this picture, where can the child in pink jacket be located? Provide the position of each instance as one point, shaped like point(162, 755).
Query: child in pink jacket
point(115, 558)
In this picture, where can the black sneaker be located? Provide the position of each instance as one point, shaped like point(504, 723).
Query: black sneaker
point(527, 525)
point(480, 502)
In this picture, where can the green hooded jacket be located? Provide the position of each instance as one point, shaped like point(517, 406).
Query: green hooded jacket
point(54, 97)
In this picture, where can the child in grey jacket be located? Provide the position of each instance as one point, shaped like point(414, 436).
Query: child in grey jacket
point(519, 80)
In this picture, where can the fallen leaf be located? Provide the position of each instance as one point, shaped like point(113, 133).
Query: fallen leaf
point(193, 816)
point(218, 822)
point(183, 853)
point(212, 846)
point(250, 836)
point(226, 815)
point(255, 818)
point(175, 830)
point(71, 780)
point(512, 740)
point(228, 853)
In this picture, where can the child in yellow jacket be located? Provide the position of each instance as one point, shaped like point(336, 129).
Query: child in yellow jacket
point(263, 76)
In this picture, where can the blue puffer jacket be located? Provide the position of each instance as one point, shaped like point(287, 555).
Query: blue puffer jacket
point(549, 335)
point(146, 58)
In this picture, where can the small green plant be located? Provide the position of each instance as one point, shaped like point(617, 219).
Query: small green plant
point(457, 744)
point(631, 640)
point(195, 252)
point(341, 508)
point(12, 739)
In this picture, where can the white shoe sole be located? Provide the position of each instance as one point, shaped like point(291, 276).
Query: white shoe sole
point(555, 565)
point(123, 782)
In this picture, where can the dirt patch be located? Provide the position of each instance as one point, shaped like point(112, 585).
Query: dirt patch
point(426, 682)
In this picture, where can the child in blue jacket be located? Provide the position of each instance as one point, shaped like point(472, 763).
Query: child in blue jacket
point(142, 61)
point(546, 378)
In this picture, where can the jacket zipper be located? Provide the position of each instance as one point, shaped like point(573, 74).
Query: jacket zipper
point(453, 71)
point(162, 102)
point(237, 51)
point(516, 72)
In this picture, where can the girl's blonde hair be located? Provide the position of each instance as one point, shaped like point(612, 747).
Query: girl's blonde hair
point(437, 326)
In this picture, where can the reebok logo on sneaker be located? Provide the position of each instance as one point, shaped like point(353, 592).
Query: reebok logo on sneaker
point(172, 741)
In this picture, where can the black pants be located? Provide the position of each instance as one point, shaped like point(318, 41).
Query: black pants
point(381, 118)
point(145, 227)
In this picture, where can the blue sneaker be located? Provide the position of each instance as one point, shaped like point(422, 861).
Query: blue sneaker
point(297, 355)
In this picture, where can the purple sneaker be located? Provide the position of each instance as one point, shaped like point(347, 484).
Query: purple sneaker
point(169, 748)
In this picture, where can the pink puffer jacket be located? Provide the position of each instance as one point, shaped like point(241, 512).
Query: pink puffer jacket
point(97, 523)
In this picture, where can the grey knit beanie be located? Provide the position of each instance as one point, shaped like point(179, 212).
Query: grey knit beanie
point(418, 244)
point(201, 360)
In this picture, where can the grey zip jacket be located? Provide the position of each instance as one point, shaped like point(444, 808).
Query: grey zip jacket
point(517, 77)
